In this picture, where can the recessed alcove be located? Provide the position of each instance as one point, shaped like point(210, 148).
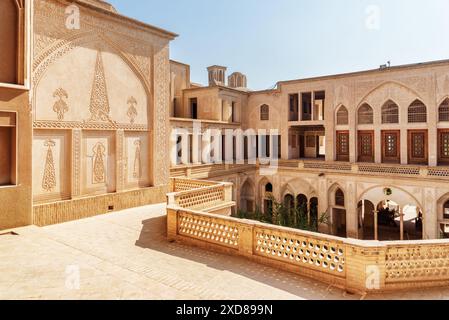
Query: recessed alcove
point(7, 148)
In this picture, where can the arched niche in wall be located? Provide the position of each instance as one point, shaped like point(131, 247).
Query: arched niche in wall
point(92, 85)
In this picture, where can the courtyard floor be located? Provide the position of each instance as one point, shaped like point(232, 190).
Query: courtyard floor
point(125, 255)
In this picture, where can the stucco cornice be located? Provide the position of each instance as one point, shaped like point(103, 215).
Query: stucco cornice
point(126, 20)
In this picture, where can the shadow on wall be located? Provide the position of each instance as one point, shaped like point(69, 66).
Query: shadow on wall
point(154, 236)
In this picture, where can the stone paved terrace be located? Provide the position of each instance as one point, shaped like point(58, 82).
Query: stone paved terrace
point(124, 255)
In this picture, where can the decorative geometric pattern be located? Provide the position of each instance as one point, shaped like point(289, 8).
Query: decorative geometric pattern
point(99, 172)
point(327, 166)
point(383, 169)
point(366, 114)
point(366, 145)
point(137, 172)
point(212, 230)
point(418, 145)
point(49, 179)
point(264, 113)
point(417, 112)
point(390, 113)
point(343, 144)
point(443, 111)
point(187, 184)
point(391, 145)
point(99, 102)
point(342, 116)
point(202, 197)
point(445, 144)
point(88, 125)
point(417, 263)
point(311, 253)
point(438, 172)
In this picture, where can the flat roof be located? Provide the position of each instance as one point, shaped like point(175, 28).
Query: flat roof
point(358, 73)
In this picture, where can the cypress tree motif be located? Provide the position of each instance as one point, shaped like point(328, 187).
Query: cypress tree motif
point(99, 102)
point(98, 164)
point(49, 178)
point(137, 164)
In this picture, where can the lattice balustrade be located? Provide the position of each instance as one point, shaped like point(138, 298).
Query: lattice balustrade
point(417, 263)
point(437, 172)
point(382, 169)
point(187, 184)
point(303, 251)
point(328, 166)
point(207, 169)
point(214, 230)
point(201, 198)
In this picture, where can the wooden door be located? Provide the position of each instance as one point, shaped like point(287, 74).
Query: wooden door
point(417, 147)
point(366, 146)
point(391, 146)
point(443, 147)
point(342, 145)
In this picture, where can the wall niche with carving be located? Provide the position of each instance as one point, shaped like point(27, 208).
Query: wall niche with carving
point(98, 165)
point(51, 165)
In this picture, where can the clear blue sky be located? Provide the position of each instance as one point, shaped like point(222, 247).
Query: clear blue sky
point(272, 40)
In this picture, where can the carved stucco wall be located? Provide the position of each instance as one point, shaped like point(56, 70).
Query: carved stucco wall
point(100, 105)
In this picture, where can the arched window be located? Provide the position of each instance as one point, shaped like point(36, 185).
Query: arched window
point(443, 111)
point(390, 112)
point(342, 116)
point(417, 112)
point(268, 187)
point(289, 201)
point(339, 198)
point(446, 210)
point(365, 114)
point(264, 112)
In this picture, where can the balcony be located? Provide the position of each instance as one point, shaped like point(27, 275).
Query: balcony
point(370, 169)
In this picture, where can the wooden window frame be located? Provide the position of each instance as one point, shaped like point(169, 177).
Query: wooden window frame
point(340, 156)
point(361, 158)
point(396, 160)
point(411, 160)
point(442, 160)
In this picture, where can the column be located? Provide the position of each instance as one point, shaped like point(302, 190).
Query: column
point(432, 123)
point(401, 215)
point(205, 147)
point(185, 150)
point(376, 230)
point(313, 107)
point(404, 146)
point(239, 147)
point(377, 145)
point(229, 146)
point(173, 148)
point(217, 146)
point(195, 148)
point(309, 205)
